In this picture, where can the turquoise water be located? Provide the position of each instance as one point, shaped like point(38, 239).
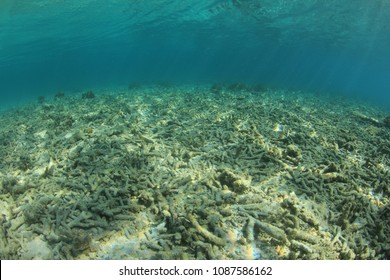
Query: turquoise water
point(326, 46)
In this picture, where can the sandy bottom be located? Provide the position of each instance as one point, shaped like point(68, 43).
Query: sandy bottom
point(194, 173)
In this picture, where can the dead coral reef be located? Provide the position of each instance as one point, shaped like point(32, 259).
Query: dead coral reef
point(193, 173)
point(386, 122)
point(59, 95)
point(88, 95)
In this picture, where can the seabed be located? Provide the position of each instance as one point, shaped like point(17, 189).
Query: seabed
point(163, 172)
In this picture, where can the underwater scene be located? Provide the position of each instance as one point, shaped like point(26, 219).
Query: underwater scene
point(207, 130)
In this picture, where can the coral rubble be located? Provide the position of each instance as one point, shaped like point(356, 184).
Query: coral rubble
point(193, 173)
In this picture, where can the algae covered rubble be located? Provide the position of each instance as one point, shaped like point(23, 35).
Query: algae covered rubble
point(221, 172)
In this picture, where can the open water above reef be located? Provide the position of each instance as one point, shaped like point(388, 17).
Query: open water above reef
point(332, 46)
